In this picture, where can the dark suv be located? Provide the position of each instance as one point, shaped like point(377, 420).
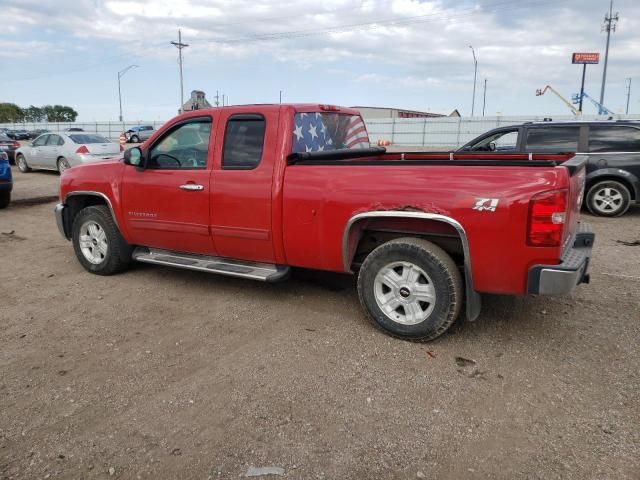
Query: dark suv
point(612, 147)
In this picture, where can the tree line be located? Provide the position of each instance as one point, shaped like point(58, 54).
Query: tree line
point(12, 113)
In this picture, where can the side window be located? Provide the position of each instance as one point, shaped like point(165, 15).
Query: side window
point(184, 147)
point(53, 141)
point(243, 142)
point(40, 141)
point(614, 139)
point(502, 141)
point(552, 139)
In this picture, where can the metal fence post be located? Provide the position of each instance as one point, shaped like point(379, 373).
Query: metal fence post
point(458, 135)
point(424, 132)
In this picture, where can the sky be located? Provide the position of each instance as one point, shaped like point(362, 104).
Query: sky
point(392, 53)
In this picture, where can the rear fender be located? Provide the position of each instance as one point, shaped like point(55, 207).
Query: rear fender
point(357, 224)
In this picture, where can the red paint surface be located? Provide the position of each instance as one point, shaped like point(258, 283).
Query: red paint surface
point(297, 214)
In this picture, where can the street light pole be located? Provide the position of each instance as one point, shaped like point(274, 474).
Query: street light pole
point(475, 75)
point(120, 75)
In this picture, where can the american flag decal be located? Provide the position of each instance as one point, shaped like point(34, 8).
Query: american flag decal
point(321, 132)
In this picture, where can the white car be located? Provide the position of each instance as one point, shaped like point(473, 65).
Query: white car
point(59, 151)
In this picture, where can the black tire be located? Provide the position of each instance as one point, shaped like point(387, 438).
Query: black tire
point(601, 199)
point(5, 199)
point(118, 254)
point(443, 275)
point(62, 164)
point(135, 139)
point(22, 164)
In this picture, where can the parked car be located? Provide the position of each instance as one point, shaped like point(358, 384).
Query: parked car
point(281, 186)
point(6, 180)
point(139, 134)
point(9, 146)
point(59, 151)
point(74, 129)
point(33, 134)
point(18, 134)
point(612, 149)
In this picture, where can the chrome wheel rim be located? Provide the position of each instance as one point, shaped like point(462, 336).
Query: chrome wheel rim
point(608, 200)
point(22, 165)
point(63, 165)
point(93, 242)
point(405, 293)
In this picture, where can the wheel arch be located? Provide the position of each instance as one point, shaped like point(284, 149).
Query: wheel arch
point(76, 201)
point(627, 179)
point(359, 223)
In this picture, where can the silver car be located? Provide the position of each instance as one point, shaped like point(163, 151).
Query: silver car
point(59, 151)
point(139, 134)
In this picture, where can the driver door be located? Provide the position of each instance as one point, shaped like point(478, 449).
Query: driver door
point(166, 204)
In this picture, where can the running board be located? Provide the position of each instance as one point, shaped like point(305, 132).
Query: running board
point(265, 272)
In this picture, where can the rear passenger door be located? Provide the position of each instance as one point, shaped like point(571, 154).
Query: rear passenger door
point(554, 139)
point(51, 151)
point(615, 146)
point(35, 153)
point(241, 185)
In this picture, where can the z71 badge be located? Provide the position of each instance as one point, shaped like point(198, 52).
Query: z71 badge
point(486, 204)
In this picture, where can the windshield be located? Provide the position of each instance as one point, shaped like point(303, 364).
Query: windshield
point(317, 132)
point(88, 138)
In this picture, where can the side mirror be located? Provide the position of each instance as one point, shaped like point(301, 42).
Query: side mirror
point(133, 156)
point(492, 146)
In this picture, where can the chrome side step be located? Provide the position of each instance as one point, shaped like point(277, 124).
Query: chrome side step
point(265, 272)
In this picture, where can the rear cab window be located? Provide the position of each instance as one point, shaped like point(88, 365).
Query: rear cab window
point(609, 138)
point(325, 131)
point(243, 142)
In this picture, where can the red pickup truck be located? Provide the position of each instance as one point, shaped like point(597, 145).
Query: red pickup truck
point(251, 191)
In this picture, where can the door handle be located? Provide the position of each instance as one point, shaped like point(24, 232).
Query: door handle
point(191, 187)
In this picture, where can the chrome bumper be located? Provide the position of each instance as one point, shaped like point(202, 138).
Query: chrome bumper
point(572, 271)
point(59, 211)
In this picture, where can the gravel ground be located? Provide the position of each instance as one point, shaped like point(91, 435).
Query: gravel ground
point(161, 373)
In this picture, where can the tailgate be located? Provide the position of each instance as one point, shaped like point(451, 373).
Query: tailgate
point(577, 174)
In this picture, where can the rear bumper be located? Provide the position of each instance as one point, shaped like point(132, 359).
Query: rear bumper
point(572, 270)
point(61, 220)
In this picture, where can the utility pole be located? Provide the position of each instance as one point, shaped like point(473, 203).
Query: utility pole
point(120, 75)
point(179, 45)
point(610, 22)
point(475, 75)
point(484, 96)
point(217, 97)
point(628, 94)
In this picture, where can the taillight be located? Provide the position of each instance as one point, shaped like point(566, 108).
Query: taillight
point(16, 145)
point(82, 149)
point(547, 216)
point(329, 108)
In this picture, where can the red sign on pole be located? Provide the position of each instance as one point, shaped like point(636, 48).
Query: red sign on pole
point(591, 58)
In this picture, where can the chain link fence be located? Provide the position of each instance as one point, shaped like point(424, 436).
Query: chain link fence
point(440, 133)
point(110, 130)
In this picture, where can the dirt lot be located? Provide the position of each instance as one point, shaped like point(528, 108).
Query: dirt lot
point(161, 373)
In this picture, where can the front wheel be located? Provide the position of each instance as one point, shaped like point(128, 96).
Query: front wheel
point(22, 164)
point(97, 242)
point(608, 199)
point(135, 139)
point(411, 289)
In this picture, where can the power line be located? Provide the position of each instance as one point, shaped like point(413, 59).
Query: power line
point(401, 21)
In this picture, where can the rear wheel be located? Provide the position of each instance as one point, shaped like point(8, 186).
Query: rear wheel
point(135, 139)
point(608, 199)
point(5, 199)
point(22, 164)
point(411, 289)
point(63, 164)
point(97, 242)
